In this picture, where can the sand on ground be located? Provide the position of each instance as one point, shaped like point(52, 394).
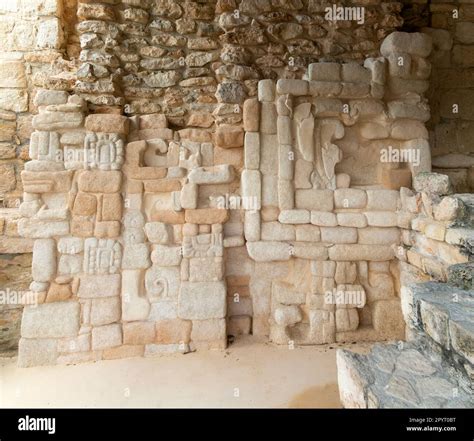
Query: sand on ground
point(250, 373)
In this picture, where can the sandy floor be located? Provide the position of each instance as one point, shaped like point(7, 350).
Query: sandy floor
point(248, 374)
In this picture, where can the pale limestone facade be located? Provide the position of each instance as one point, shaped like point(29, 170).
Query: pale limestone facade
point(199, 170)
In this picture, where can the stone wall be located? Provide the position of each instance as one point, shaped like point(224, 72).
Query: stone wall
point(215, 168)
point(149, 240)
point(451, 94)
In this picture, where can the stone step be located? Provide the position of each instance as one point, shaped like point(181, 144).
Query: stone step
point(404, 375)
point(445, 314)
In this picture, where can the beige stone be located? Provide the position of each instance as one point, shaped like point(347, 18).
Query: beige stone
point(251, 115)
point(229, 136)
point(107, 123)
point(108, 336)
point(138, 333)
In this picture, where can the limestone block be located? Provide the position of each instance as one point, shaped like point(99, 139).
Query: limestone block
point(285, 162)
point(317, 200)
point(252, 187)
point(173, 331)
point(292, 87)
point(107, 336)
point(371, 130)
point(166, 255)
point(107, 123)
point(377, 66)
point(411, 43)
point(268, 251)
point(37, 352)
point(401, 109)
point(338, 234)
point(252, 226)
point(207, 216)
point(69, 265)
point(206, 269)
point(432, 183)
point(48, 121)
point(323, 218)
point(284, 130)
point(99, 286)
point(308, 233)
point(287, 315)
point(379, 236)
point(136, 256)
point(189, 196)
point(252, 151)
point(12, 74)
point(135, 306)
point(346, 273)
point(208, 330)
point(405, 129)
point(138, 333)
point(324, 88)
point(162, 283)
point(251, 115)
point(276, 231)
point(286, 194)
point(347, 319)
point(153, 121)
point(42, 229)
point(202, 300)
point(228, 136)
point(357, 252)
point(294, 217)
point(381, 218)
point(323, 269)
point(98, 181)
point(44, 260)
point(46, 182)
point(382, 200)
point(105, 311)
point(308, 251)
point(16, 100)
point(158, 232)
point(268, 119)
point(350, 198)
point(51, 320)
point(285, 294)
point(218, 174)
point(357, 220)
point(450, 208)
point(266, 90)
point(355, 73)
point(324, 71)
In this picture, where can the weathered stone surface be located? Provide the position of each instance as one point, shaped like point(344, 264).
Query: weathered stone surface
point(108, 336)
point(414, 44)
point(268, 251)
point(107, 123)
point(202, 300)
point(37, 352)
point(51, 320)
point(99, 286)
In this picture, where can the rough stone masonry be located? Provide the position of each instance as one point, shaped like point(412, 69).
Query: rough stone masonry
point(219, 168)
